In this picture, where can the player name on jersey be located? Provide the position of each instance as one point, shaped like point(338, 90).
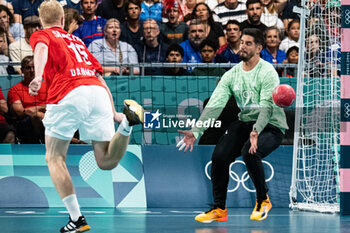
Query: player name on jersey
point(67, 35)
point(82, 71)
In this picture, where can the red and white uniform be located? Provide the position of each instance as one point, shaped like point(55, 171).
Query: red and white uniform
point(69, 64)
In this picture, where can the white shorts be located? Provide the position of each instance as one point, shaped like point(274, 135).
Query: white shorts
point(87, 108)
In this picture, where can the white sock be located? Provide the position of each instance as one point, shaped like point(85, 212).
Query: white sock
point(124, 128)
point(71, 203)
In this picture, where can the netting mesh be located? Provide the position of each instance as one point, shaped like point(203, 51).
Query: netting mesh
point(316, 143)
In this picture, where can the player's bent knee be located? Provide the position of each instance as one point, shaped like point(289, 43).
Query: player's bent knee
point(103, 165)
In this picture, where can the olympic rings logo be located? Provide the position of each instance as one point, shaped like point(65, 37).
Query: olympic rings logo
point(347, 16)
point(347, 110)
point(241, 180)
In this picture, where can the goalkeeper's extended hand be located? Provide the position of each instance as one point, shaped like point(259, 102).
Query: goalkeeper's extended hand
point(187, 141)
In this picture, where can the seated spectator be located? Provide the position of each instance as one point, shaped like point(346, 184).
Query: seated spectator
point(269, 16)
point(292, 39)
point(151, 9)
point(14, 31)
point(174, 54)
point(229, 53)
point(132, 31)
point(208, 52)
point(108, 9)
point(25, 8)
point(254, 11)
point(28, 110)
point(152, 49)
point(92, 27)
point(315, 56)
point(3, 52)
point(230, 9)
point(271, 53)
point(167, 4)
point(7, 132)
point(187, 9)
point(292, 58)
point(109, 50)
point(214, 30)
point(7, 4)
point(72, 20)
point(228, 115)
point(197, 33)
point(173, 31)
point(21, 48)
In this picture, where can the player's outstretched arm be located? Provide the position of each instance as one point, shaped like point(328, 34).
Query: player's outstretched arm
point(40, 58)
point(188, 140)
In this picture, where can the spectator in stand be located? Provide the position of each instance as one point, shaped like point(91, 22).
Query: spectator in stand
point(151, 9)
point(254, 11)
point(3, 52)
point(271, 53)
point(213, 29)
point(197, 33)
point(25, 8)
point(132, 31)
point(174, 54)
point(173, 31)
point(110, 50)
point(187, 9)
point(7, 4)
point(292, 58)
point(152, 49)
point(14, 31)
point(21, 48)
point(72, 20)
point(230, 9)
point(72, 4)
point(112, 9)
point(28, 110)
point(92, 27)
point(293, 33)
point(269, 16)
point(230, 51)
point(208, 52)
point(228, 115)
point(287, 12)
point(7, 132)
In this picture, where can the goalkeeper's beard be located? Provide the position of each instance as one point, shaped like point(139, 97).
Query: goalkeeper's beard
point(246, 57)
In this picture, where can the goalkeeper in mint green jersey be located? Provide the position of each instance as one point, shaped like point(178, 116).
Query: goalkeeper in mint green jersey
point(259, 130)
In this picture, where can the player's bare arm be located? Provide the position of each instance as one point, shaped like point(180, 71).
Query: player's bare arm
point(40, 58)
point(188, 141)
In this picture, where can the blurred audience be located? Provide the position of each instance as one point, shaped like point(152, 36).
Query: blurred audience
point(254, 11)
point(292, 58)
point(292, 39)
point(14, 31)
point(174, 54)
point(151, 9)
point(72, 20)
point(108, 9)
point(25, 8)
point(230, 9)
point(3, 52)
point(7, 132)
point(110, 51)
point(271, 53)
point(270, 16)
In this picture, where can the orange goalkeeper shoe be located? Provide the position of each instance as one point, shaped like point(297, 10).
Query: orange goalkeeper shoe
point(215, 214)
point(261, 210)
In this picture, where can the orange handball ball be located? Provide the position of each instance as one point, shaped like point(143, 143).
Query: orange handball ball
point(283, 95)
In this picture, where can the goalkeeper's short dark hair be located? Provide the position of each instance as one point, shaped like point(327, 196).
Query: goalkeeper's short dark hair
point(257, 34)
point(175, 47)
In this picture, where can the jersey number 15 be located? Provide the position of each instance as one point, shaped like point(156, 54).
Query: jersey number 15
point(80, 53)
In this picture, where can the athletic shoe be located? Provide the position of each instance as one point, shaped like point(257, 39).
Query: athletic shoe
point(133, 112)
point(261, 209)
point(75, 227)
point(214, 214)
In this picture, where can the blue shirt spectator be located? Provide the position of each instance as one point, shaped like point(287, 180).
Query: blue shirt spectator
point(227, 55)
point(151, 10)
point(279, 58)
point(70, 4)
point(191, 55)
point(91, 30)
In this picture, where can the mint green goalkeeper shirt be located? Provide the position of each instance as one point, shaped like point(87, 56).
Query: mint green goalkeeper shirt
point(253, 93)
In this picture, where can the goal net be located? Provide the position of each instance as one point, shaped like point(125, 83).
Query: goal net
point(315, 176)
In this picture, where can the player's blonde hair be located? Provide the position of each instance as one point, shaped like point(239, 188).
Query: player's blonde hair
point(50, 12)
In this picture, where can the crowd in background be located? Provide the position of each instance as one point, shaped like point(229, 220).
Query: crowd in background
point(123, 33)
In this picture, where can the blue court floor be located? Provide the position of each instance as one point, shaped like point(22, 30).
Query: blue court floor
point(166, 220)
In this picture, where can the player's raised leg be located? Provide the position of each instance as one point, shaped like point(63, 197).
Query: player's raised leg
point(109, 154)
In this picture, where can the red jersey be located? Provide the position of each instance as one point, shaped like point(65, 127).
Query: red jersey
point(21, 92)
point(2, 97)
point(69, 63)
